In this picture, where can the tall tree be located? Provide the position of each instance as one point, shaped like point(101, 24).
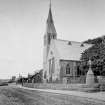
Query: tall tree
point(97, 54)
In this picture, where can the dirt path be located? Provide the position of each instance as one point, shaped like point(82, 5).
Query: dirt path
point(93, 95)
point(18, 96)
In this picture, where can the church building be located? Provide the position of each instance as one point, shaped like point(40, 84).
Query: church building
point(61, 58)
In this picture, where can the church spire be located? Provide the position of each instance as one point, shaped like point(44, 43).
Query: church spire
point(49, 35)
point(50, 19)
point(50, 29)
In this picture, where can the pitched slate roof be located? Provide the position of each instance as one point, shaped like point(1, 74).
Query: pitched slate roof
point(70, 50)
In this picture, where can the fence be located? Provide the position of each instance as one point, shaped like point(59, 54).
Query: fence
point(77, 86)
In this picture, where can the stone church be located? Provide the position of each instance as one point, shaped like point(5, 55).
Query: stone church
point(61, 58)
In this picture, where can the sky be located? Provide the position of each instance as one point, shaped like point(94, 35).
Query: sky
point(23, 24)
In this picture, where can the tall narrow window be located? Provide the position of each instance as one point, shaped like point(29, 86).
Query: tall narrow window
point(78, 71)
point(53, 65)
point(45, 74)
point(68, 69)
point(49, 66)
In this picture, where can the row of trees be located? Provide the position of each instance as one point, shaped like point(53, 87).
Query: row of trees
point(96, 54)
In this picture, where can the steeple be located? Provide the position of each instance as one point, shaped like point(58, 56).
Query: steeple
point(49, 34)
point(50, 28)
point(50, 19)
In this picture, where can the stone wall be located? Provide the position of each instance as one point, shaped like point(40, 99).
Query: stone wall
point(73, 70)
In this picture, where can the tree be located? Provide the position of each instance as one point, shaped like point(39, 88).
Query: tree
point(97, 54)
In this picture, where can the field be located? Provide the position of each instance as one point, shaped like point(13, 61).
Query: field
point(17, 96)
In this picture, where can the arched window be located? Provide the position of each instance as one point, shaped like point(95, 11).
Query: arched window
point(68, 69)
point(45, 74)
point(78, 71)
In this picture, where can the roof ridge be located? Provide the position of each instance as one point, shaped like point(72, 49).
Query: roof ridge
point(68, 41)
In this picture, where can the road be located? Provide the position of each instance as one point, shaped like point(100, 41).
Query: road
point(93, 95)
point(18, 96)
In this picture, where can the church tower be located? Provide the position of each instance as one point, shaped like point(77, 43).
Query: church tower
point(49, 35)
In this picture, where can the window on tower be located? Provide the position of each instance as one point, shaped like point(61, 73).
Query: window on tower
point(49, 40)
